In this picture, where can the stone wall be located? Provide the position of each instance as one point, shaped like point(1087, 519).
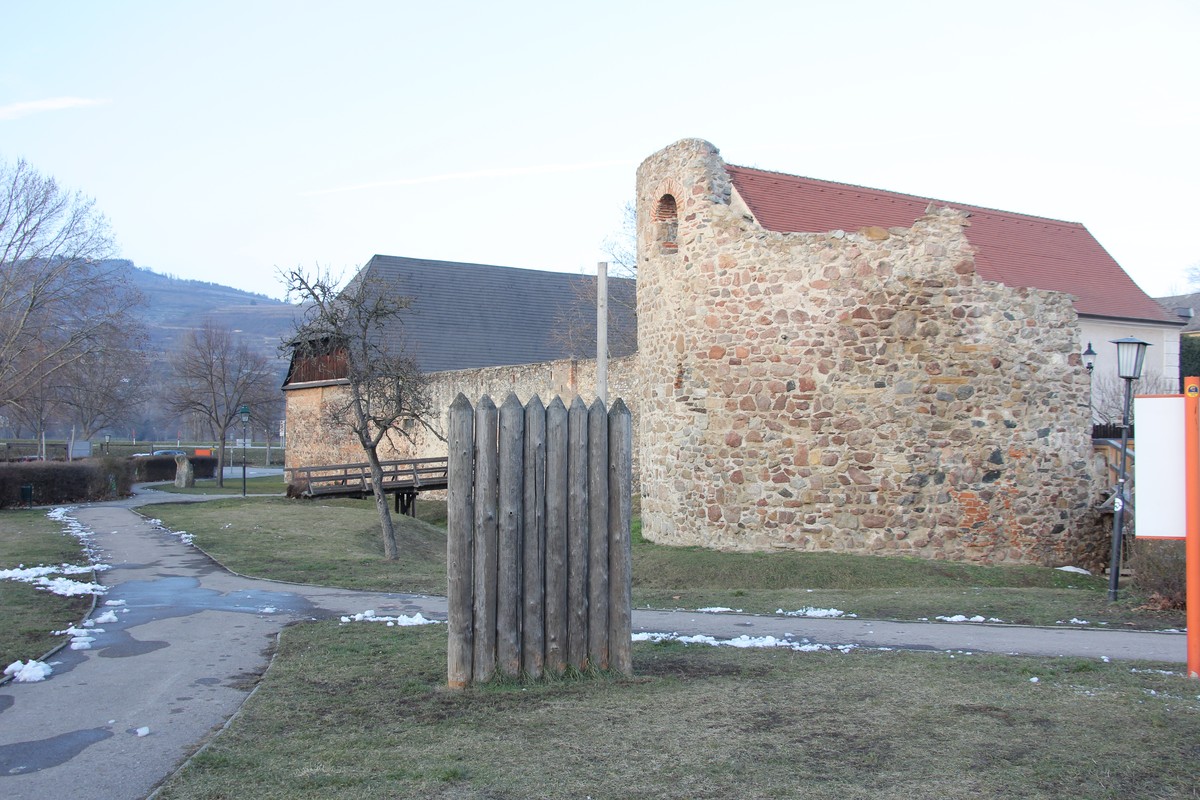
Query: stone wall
point(849, 391)
point(311, 443)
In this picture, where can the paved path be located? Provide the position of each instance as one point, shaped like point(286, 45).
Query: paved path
point(191, 638)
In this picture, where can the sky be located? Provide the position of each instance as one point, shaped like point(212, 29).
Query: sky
point(225, 141)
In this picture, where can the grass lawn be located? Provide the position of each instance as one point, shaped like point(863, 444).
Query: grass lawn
point(336, 542)
point(360, 710)
point(31, 539)
point(266, 484)
point(327, 542)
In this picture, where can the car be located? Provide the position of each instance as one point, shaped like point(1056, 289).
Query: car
point(170, 453)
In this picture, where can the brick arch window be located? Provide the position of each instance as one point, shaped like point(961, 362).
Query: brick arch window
point(666, 222)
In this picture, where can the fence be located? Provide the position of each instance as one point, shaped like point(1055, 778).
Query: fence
point(538, 550)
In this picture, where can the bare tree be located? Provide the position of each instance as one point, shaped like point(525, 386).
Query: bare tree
point(213, 375)
point(356, 334)
point(55, 293)
point(106, 386)
point(1108, 394)
point(575, 324)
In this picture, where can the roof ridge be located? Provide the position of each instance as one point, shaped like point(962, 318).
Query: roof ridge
point(886, 192)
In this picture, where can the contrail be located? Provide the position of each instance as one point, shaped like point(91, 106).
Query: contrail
point(18, 110)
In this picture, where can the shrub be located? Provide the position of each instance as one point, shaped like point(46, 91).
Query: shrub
point(1158, 572)
point(66, 482)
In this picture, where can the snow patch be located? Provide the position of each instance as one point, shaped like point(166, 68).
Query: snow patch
point(1076, 570)
point(821, 613)
point(398, 621)
point(803, 646)
point(964, 618)
point(717, 610)
point(29, 671)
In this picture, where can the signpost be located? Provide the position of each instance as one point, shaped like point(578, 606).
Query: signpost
point(1168, 487)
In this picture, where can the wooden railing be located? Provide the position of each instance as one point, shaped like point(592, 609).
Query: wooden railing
point(1110, 451)
point(405, 479)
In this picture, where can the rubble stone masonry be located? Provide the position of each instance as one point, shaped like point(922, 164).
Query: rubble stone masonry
point(856, 391)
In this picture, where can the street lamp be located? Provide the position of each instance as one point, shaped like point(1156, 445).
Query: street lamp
point(244, 413)
point(1089, 358)
point(1131, 355)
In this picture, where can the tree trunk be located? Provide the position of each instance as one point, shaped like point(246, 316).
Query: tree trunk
point(221, 460)
point(390, 551)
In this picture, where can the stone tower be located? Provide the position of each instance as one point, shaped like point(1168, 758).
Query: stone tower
point(860, 391)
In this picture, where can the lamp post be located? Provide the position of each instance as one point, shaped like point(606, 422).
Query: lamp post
point(244, 413)
point(1131, 354)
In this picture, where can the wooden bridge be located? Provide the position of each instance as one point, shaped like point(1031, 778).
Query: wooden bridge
point(405, 479)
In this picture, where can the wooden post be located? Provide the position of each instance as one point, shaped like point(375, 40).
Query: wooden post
point(598, 570)
point(533, 545)
point(556, 536)
point(577, 536)
point(620, 560)
point(602, 330)
point(508, 590)
point(460, 521)
point(486, 534)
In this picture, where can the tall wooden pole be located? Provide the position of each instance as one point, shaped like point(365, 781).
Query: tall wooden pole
point(602, 331)
point(460, 524)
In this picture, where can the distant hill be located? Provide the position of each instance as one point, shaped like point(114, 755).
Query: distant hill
point(175, 305)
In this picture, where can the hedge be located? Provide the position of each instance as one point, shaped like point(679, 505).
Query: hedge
point(56, 482)
point(162, 468)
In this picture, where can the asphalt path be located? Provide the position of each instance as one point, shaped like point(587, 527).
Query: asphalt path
point(191, 639)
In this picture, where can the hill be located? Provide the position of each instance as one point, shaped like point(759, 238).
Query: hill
point(174, 306)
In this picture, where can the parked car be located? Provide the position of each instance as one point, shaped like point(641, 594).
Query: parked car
point(170, 453)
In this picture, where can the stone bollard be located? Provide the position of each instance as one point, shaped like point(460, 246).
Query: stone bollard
point(185, 474)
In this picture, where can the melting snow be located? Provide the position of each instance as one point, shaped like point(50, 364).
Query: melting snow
point(963, 618)
point(1076, 570)
point(717, 610)
point(28, 672)
point(41, 576)
point(809, 611)
point(400, 621)
point(804, 646)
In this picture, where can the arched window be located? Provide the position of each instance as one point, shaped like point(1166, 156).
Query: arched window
point(666, 220)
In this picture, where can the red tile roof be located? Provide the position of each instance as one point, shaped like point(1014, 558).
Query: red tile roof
point(1014, 249)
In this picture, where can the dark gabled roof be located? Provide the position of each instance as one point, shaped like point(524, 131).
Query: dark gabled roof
point(1185, 308)
point(1014, 249)
point(466, 316)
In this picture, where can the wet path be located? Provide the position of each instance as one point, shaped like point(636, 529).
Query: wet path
point(188, 641)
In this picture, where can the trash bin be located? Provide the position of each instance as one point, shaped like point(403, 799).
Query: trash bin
point(27, 495)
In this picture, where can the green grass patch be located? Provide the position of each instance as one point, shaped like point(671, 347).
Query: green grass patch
point(30, 539)
point(264, 484)
point(350, 711)
point(327, 542)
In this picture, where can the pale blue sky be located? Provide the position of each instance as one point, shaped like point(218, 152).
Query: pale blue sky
point(226, 139)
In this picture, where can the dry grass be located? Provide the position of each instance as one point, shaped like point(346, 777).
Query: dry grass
point(360, 711)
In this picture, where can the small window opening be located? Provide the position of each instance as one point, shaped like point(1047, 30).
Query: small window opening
point(666, 219)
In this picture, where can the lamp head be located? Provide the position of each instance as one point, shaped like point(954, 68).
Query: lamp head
point(1131, 356)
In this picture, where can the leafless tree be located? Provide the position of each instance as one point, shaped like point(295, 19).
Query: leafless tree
point(106, 386)
point(55, 292)
point(574, 325)
point(1108, 394)
point(357, 333)
point(213, 375)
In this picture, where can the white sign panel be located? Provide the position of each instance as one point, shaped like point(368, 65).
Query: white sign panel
point(1160, 488)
